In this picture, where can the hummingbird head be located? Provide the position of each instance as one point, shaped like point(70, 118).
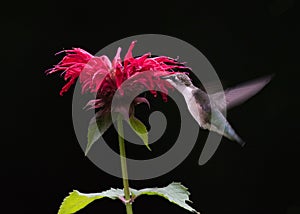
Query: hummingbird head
point(178, 80)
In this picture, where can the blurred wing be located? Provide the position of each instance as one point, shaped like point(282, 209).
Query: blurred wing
point(240, 93)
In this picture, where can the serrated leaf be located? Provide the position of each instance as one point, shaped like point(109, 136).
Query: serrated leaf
point(76, 200)
point(174, 192)
point(97, 127)
point(140, 129)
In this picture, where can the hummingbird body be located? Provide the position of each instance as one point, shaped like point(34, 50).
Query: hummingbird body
point(208, 112)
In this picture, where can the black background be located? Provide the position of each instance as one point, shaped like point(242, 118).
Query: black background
point(41, 159)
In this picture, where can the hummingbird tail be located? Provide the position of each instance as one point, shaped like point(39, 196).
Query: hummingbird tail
point(230, 133)
point(221, 126)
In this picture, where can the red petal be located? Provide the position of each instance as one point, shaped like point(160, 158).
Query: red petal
point(117, 59)
point(139, 100)
point(129, 52)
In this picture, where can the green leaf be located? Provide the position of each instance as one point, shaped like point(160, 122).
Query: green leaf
point(174, 192)
point(140, 129)
point(98, 125)
point(76, 200)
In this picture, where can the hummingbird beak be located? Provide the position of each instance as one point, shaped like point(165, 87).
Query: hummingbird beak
point(167, 77)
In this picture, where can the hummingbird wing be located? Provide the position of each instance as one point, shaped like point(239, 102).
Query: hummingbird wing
point(240, 93)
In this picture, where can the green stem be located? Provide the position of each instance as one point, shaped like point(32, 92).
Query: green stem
point(124, 166)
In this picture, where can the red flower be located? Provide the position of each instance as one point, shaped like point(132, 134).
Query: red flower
point(72, 65)
point(101, 76)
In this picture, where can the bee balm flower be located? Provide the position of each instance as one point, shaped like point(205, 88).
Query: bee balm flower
point(99, 75)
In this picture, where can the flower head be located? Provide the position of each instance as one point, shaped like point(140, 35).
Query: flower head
point(99, 75)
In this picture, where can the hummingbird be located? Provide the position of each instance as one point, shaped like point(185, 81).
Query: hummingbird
point(202, 106)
